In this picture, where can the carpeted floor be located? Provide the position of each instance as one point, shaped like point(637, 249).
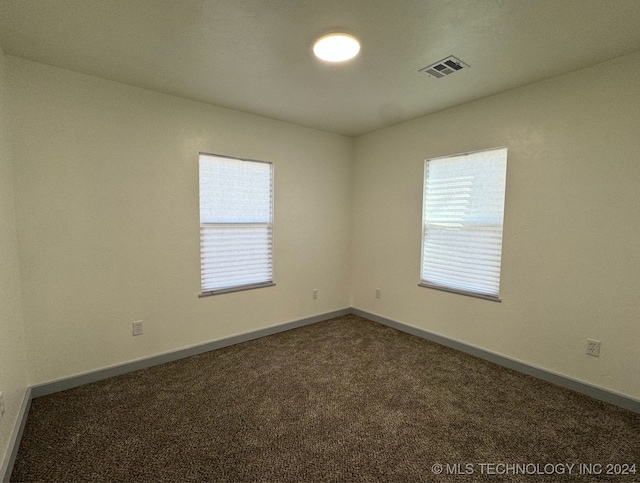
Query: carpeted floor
point(342, 400)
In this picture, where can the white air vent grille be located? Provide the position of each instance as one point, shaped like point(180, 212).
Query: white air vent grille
point(444, 67)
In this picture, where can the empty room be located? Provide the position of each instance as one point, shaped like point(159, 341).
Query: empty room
point(341, 240)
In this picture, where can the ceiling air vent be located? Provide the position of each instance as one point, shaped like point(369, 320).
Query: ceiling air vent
point(444, 67)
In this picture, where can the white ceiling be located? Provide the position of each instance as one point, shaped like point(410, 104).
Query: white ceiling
point(255, 55)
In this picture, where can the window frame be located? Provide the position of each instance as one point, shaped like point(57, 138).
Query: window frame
point(241, 287)
point(445, 288)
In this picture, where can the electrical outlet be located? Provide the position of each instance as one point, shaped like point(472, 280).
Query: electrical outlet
point(593, 347)
point(314, 293)
point(378, 293)
point(1, 405)
point(137, 327)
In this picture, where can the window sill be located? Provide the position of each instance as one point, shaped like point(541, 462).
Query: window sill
point(239, 288)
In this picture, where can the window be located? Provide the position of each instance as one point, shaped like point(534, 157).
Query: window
point(236, 224)
point(462, 223)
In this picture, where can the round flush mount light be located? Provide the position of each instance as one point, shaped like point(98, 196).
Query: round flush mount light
point(336, 47)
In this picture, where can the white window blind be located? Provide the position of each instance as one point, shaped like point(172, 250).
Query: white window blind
point(462, 222)
point(236, 223)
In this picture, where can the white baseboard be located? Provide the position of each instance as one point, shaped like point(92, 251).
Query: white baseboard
point(16, 435)
point(78, 380)
point(81, 379)
point(93, 376)
point(601, 394)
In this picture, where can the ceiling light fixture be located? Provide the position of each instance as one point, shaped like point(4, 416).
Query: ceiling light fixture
point(336, 47)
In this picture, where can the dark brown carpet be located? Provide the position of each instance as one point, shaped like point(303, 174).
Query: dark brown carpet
point(341, 400)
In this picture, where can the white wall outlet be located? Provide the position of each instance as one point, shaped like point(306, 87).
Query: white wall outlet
point(137, 327)
point(1, 405)
point(314, 293)
point(378, 293)
point(593, 347)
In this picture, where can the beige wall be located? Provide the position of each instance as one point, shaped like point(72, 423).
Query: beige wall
point(106, 186)
point(13, 375)
point(107, 197)
point(571, 248)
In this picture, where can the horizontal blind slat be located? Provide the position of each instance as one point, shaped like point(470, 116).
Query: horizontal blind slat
point(236, 216)
point(462, 221)
point(235, 255)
